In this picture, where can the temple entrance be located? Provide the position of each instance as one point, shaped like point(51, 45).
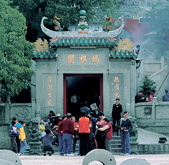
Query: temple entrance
point(84, 87)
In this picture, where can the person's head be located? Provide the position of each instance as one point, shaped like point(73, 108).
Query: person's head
point(125, 114)
point(14, 119)
point(153, 93)
point(91, 114)
point(166, 91)
point(47, 131)
point(106, 120)
point(101, 115)
point(51, 113)
point(22, 122)
point(69, 116)
point(58, 115)
point(117, 100)
point(73, 118)
point(55, 127)
point(64, 117)
point(82, 114)
point(140, 92)
point(13, 123)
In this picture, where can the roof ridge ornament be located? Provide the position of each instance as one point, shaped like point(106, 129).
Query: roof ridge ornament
point(82, 26)
point(111, 33)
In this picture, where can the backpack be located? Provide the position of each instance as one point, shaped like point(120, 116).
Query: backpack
point(13, 133)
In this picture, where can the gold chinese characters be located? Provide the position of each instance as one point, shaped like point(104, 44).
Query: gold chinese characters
point(49, 90)
point(83, 59)
point(116, 86)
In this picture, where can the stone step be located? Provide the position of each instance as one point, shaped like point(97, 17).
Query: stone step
point(115, 146)
point(115, 137)
point(116, 142)
point(153, 148)
point(135, 148)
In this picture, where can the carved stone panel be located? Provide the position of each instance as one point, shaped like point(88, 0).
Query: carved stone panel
point(147, 110)
point(20, 112)
point(162, 112)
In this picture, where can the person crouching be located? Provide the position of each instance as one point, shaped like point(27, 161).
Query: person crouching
point(47, 143)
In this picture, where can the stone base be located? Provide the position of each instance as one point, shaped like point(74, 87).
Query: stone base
point(35, 148)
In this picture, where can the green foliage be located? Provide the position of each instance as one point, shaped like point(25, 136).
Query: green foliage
point(67, 10)
point(15, 52)
point(159, 20)
point(147, 84)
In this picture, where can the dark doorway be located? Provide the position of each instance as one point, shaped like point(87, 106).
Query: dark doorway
point(84, 86)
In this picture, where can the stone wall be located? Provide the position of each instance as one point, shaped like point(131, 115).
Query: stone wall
point(153, 116)
point(117, 81)
point(24, 112)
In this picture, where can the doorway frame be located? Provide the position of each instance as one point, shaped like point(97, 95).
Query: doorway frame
point(81, 75)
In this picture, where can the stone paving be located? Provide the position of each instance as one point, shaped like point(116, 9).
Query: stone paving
point(160, 159)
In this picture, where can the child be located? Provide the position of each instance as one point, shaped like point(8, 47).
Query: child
point(13, 133)
point(47, 142)
point(22, 137)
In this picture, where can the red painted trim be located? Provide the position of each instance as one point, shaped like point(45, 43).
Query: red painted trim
point(101, 92)
point(64, 95)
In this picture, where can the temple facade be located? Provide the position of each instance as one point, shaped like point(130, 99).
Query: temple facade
point(83, 63)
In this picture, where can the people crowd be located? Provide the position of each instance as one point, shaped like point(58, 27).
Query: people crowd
point(90, 130)
point(148, 96)
point(17, 136)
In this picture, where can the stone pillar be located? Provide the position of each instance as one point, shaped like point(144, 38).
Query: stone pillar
point(33, 108)
point(153, 108)
point(37, 112)
point(132, 87)
point(7, 111)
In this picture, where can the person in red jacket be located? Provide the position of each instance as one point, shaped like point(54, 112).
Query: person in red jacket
point(60, 137)
point(67, 127)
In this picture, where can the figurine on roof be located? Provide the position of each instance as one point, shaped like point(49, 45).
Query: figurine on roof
point(56, 23)
point(108, 25)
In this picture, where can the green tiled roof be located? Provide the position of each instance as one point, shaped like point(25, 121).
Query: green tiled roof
point(120, 54)
point(44, 54)
point(83, 41)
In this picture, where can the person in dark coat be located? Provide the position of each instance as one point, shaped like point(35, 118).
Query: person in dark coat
point(116, 114)
point(47, 142)
point(166, 96)
point(139, 97)
point(125, 128)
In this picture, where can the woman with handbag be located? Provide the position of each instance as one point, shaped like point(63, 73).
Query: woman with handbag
point(107, 129)
point(99, 134)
